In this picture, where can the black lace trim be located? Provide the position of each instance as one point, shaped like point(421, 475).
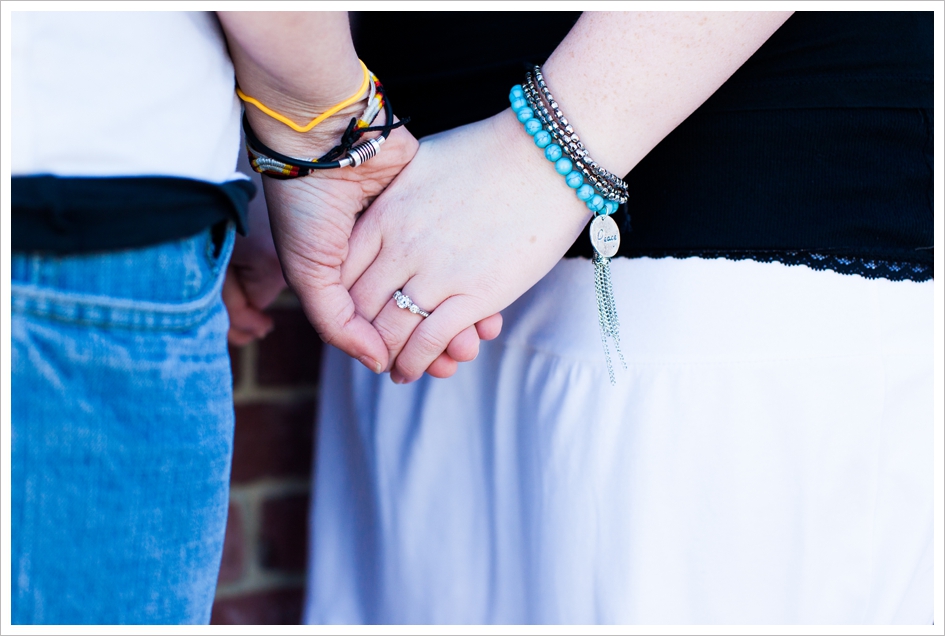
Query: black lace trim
point(866, 267)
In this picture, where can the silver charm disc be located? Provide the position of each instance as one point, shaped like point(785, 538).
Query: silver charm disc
point(605, 237)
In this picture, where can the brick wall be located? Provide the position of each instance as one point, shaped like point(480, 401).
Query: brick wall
point(275, 380)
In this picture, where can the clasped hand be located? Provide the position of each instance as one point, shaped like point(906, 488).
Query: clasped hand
point(463, 224)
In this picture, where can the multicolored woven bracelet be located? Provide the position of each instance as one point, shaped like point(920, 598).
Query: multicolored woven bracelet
point(351, 151)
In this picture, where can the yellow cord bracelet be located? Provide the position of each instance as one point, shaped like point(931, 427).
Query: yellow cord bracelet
point(328, 113)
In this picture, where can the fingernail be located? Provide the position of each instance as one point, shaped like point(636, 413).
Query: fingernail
point(396, 377)
point(370, 363)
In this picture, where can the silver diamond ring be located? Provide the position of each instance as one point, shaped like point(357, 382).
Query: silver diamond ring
point(404, 302)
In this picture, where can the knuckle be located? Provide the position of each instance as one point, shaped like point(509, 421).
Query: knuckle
point(424, 346)
point(388, 333)
point(429, 342)
point(468, 353)
point(330, 328)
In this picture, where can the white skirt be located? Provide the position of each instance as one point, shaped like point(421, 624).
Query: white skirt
point(765, 458)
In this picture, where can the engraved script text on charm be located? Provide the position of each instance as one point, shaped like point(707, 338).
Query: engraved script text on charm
point(605, 237)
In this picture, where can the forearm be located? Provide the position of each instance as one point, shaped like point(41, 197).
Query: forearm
point(626, 80)
point(299, 64)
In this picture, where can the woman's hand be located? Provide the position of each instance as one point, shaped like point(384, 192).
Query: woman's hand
point(477, 218)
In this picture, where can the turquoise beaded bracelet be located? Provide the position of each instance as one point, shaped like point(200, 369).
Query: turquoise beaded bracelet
point(553, 153)
point(604, 234)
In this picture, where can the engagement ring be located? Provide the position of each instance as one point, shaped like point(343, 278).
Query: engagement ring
point(404, 302)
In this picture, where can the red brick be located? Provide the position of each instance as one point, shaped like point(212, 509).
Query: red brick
point(291, 353)
point(283, 533)
point(231, 566)
point(275, 607)
point(273, 440)
point(235, 366)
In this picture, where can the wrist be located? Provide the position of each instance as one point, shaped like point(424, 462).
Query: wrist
point(303, 132)
point(537, 171)
point(304, 145)
point(297, 63)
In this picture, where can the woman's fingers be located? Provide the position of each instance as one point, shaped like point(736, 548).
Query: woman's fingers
point(457, 337)
point(443, 367)
point(432, 337)
point(464, 347)
point(373, 295)
point(395, 321)
point(364, 246)
point(489, 328)
point(374, 289)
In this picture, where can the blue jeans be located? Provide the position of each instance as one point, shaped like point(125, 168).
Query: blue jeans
point(122, 419)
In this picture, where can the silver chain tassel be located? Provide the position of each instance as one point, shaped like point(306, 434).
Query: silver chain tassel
point(607, 312)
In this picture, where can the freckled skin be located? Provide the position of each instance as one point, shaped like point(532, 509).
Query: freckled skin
point(668, 64)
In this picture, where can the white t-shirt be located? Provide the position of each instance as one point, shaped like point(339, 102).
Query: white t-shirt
point(122, 94)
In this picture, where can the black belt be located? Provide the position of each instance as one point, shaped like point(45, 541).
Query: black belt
point(89, 214)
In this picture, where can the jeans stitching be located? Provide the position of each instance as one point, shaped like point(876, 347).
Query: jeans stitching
point(91, 310)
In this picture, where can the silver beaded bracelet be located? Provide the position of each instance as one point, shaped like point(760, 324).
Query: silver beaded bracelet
point(561, 128)
point(602, 195)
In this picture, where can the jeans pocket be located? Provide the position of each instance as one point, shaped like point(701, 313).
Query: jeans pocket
point(174, 285)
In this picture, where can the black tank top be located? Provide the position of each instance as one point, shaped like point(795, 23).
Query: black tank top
point(817, 151)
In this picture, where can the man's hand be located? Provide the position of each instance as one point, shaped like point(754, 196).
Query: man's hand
point(312, 219)
point(247, 322)
point(253, 280)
